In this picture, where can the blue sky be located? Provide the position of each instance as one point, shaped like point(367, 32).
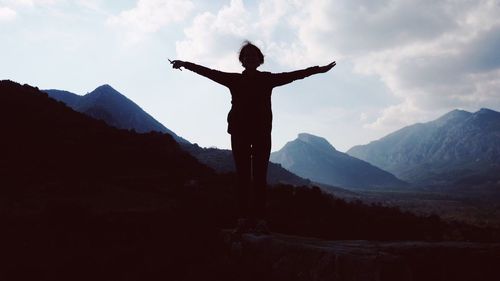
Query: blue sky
point(398, 62)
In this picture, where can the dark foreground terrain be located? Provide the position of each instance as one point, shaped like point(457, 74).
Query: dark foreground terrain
point(286, 257)
point(80, 200)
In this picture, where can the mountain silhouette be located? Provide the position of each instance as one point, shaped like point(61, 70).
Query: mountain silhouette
point(315, 158)
point(107, 104)
point(49, 141)
point(221, 160)
point(459, 148)
point(82, 199)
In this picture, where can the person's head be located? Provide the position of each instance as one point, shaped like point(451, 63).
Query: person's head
point(250, 56)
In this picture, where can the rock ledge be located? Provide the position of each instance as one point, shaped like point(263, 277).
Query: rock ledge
point(285, 257)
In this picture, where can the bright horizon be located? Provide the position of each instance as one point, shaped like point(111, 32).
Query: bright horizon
point(398, 62)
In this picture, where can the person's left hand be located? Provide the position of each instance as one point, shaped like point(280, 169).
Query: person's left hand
point(326, 68)
point(177, 64)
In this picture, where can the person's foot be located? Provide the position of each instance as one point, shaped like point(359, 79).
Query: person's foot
point(261, 227)
point(242, 226)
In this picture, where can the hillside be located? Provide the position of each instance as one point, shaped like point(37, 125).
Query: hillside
point(458, 149)
point(315, 158)
point(66, 155)
point(221, 160)
point(50, 142)
point(80, 199)
point(107, 104)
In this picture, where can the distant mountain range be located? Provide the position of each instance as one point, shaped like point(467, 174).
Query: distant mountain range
point(315, 158)
point(79, 196)
point(458, 149)
point(52, 148)
point(221, 160)
point(107, 104)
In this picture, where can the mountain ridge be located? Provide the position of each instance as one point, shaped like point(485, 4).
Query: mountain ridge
point(458, 144)
point(107, 104)
point(62, 144)
point(315, 158)
point(82, 199)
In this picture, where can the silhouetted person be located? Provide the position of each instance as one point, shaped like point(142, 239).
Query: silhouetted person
point(250, 123)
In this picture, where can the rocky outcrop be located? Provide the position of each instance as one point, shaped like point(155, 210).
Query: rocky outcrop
point(284, 257)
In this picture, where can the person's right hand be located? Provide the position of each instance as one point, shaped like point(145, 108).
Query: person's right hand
point(327, 67)
point(177, 64)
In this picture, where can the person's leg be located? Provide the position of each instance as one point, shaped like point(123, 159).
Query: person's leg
point(242, 161)
point(260, 151)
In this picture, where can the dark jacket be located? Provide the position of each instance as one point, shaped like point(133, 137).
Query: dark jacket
point(251, 95)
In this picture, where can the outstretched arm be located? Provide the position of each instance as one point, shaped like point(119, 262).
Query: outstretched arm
point(220, 77)
point(279, 79)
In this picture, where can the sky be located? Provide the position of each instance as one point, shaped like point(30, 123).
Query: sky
point(399, 62)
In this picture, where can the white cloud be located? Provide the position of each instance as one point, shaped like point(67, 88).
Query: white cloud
point(433, 56)
point(214, 39)
point(30, 3)
point(93, 5)
point(9, 8)
point(7, 14)
point(396, 116)
point(149, 16)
